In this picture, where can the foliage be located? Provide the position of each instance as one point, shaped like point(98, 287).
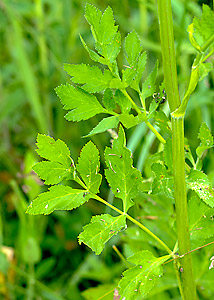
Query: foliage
point(123, 89)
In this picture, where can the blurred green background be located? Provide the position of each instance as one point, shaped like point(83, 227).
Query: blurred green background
point(36, 38)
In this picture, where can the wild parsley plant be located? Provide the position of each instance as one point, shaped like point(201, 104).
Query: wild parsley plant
point(177, 176)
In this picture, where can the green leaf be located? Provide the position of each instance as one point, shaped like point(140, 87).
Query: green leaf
point(100, 230)
point(122, 101)
point(139, 280)
point(163, 182)
point(88, 166)
point(82, 104)
point(129, 121)
point(108, 100)
point(139, 70)
point(93, 55)
point(53, 172)
point(199, 182)
point(136, 60)
point(105, 124)
point(105, 33)
point(206, 139)
point(204, 69)
point(196, 211)
point(148, 87)
point(133, 48)
point(201, 221)
point(123, 178)
point(58, 197)
point(204, 27)
point(55, 151)
point(91, 77)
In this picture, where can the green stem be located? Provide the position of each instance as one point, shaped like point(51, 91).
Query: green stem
point(134, 221)
point(185, 278)
point(168, 53)
point(159, 137)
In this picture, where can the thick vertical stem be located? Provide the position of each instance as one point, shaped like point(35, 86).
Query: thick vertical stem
point(186, 272)
point(168, 53)
point(186, 278)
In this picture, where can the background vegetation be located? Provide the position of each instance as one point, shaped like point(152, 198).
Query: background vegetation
point(37, 37)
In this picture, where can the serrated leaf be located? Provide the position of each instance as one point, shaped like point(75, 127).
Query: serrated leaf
point(204, 27)
point(53, 172)
point(108, 100)
point(206, 139)
point(139, 70)
point(59, 197)
point(129, 121)
point(204, 69)
point(196, 211)
point(82, 104)
point(201, 221)
point(163, 182)
point(133, 48)
point(88, 166)
point(122, 101)
point(107, 29)
point(148, 86)
point(93, 55)
point(92, 78)
point(103, 125)
point(123, 178)
point(136, 60)
point(55, 151)
point(100, 230)
point(139, 280)
point(105, 32)
point(199, 182)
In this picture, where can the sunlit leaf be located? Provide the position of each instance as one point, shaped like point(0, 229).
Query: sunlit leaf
point(58, 197)
point(88, 166)
point(199, 182)
point(139, 280)
point(100, 230)
point(123, 178)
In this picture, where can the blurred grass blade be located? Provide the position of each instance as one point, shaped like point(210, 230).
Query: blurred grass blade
point(26, 72)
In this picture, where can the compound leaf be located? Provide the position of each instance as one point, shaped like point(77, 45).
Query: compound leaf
point(199, 182)
point(206, 139)
point(139, 280)
point(92, 78)
point(59, 197)
point(81, 104)
point(104, 124)
point(100, 230)
point(88, 166)
point(123, 178)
